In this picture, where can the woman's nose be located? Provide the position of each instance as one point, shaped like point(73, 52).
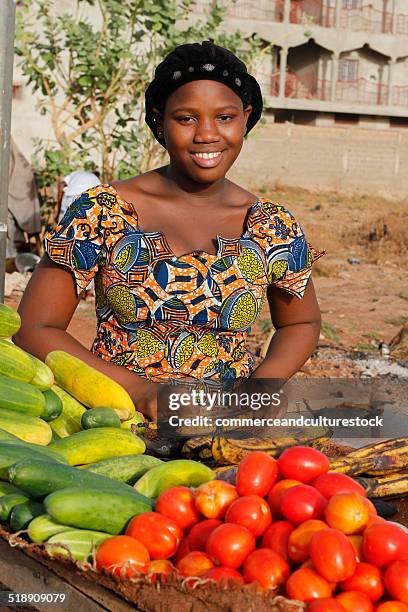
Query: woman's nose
point(206, 131)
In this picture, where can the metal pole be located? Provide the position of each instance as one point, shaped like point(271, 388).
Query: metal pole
point(7, 25)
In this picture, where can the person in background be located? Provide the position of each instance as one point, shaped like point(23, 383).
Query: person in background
point(72, 186)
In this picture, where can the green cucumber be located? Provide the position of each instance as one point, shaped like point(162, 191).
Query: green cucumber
point(43, 527)
point(128, 468)
point(6, 488)
point(99, 417)
point(23, 514)
point(20, 397)
point(95, 509)
point(92, 445)
point(6, 436)
point(78, 544)
point(36, 478)
point(43, 378)
point(10, 321)
point(53, 406)
point(8, 502)
point(11, 453)
point(26, 427)
point(180, 472)
point(15, 363)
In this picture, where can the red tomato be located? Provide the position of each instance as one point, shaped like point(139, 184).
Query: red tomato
point(160, 534)
point(372, 510)
point(333, 483)
point(302, 503)
point(392, 606)
point(332, 555)
point(384, 543)
point(302, 463)
point(161, 567)
point(182, 550)
point(325, 605)
point(277, 536)
point(199, 534)
point(223, 573)
point(305, 584)
point(178, 503)
point(122, 555)
point(309, 565)
point(252, 512)
point(213, 498)
point(257, 473)
point(300, 538)
point(366, 579)
point(275, 495)
point(230, 544)
point(396, 580)
point(194, 564)
point(347, 512)
point(267, 568)
point(357, 542)
point(354, 601)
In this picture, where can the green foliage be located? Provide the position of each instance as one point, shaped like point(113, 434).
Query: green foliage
point(91, 67)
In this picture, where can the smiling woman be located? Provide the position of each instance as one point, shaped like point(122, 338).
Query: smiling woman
point(182, 258)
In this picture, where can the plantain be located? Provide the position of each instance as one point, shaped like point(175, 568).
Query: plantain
point(373, 450)
point(393, 485)
point(386, 458)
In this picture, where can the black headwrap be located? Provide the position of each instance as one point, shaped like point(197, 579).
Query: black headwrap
point(193, 62)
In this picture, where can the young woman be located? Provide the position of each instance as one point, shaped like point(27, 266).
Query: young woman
point(182, 257)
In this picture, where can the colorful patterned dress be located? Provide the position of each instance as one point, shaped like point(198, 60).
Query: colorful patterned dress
point(168, 317)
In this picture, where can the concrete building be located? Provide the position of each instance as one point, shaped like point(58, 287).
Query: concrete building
point(330, 61)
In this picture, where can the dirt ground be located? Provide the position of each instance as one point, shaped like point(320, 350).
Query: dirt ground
point(361, 282)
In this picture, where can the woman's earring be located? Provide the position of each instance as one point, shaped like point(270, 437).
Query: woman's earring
point(159, 133)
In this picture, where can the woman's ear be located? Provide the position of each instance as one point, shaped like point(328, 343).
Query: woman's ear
point(158, 119)
point(247, 112)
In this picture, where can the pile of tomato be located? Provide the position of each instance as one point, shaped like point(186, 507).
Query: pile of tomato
point(287, 524)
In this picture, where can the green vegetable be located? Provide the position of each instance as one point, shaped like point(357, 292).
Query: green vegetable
point(171, 474)
point(128, 468)
point(20, 397)
point(8, 502)
point(99, 417)
point(76, 543)
point(11, 453)
point(53, 406)
point(10, 321)
point(22, 514)
point(43, 527)
point(43, 378)
point(15, 363)
point(24, 426)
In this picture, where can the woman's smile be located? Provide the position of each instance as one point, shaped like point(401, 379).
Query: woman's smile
point(209, 159)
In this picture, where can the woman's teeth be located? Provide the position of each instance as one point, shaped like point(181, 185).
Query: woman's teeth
point(208, 155)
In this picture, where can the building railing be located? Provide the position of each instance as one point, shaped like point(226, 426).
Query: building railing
point(312, 12)
point(366, 19)
point(399, 96)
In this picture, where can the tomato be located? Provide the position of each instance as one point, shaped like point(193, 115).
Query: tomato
point(199, 534)
point(182, 550)
point(357, 542)
point(300, 538)
point(308, 564)
point(257, 473)
point(396, 580)
point(267, 568)
point(392, 606)
point(194, 564)
point(302, 463)
point(223, 573)
point(372, 510)
point(325, 605)
point(354, 601)
point(122, 555)
point(161, 567)
point(213, 498)
point(160, 534)
point(252, 512)
point(367, 579)
point(230, 544)
point(276, 537)
point(333, 483)
point(178, 503)
point(302, 503)
point(373, 519)
point(305, 584)
point(275, 495)
point(347, 512)
point(384, 543)
point(333, 555)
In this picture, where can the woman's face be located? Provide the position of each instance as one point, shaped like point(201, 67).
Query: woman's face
point(204, 124)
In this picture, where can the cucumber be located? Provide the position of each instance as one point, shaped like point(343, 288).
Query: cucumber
point(54, 437)
point(20, 397)
point(78, 544)
point(25, 427)
point(6, 488)
point(8, 502)
point(136, 419)
point(99, 417)
point(12, 453)
point(22, 514)
point(180, 472)
point(36, 477)
point(43, 527)
point(6, 436)
point(92, 445)
point(53, 406)
point(10, 321)
point(45, 451)
point(15, 363)
point(98, 510)
point(128, 468)
point(69, 421)
point(43, 378)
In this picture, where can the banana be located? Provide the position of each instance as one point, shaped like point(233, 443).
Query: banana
point(373, 450)
point(352, 467)
point(394, 485)
point(383, 462)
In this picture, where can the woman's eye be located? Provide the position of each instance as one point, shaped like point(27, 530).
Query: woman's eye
point(225, 117)
point(186, 119)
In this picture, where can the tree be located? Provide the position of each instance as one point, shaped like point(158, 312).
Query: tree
point(91, 67)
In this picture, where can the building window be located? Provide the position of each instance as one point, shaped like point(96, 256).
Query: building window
point(348, 70)
point(351, 4)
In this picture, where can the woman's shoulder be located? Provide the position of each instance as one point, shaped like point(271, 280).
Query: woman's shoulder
point(271, 213)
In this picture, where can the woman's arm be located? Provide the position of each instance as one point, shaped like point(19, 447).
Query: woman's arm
point(46, 309)
point(297, 323)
